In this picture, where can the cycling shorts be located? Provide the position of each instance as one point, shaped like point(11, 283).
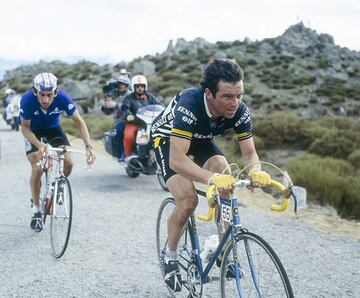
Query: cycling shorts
point(55, 136)
point(200, 152)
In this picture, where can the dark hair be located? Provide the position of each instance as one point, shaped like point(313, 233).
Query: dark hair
point(220, 69)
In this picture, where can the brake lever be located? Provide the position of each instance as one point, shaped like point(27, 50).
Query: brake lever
point(295, 199)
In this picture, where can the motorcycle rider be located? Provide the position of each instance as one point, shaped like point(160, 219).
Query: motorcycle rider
point(6, 100)
point(40, 110)
point(140, 97)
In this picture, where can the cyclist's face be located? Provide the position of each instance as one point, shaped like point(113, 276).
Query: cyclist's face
point(45, 98)
point(227, 99)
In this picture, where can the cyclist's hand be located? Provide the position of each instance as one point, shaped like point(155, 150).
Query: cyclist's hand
point(90, 156)
point(259, 178)
point(222, 182)
point(130, 117)
point(42, 150)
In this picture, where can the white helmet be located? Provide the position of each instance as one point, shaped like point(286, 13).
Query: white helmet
point(45, 81)
point(9, 91)
point(138, 80)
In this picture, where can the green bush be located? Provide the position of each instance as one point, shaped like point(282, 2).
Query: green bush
point(171, 75)
point(283, 128)
point(338, 144)
point(96, 126)
point(328, 181)
point(354, 159)
point(170, 91)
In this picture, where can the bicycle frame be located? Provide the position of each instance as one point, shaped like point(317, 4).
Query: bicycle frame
point(57, 173)
point(231, 231)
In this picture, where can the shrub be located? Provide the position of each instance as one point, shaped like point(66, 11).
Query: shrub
point(170, 91)
point(328, 181)
point(171, 75)
point(96, 126)
point(338, 144)
point(354, 158)
point(283, 128)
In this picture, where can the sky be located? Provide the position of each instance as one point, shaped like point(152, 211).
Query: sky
point(118, 30)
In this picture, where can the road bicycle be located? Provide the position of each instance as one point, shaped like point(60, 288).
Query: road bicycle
point(56, 199)
point(249, 266)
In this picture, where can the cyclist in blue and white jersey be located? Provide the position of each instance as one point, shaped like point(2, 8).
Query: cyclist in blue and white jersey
point(40, 109)
point(186, 127)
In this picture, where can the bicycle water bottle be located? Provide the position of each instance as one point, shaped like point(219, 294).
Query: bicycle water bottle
point(209, 247)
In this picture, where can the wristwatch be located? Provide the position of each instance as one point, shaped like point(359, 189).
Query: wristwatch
point(88, 146)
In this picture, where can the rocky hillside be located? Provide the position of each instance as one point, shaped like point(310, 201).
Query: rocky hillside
point(300, 70)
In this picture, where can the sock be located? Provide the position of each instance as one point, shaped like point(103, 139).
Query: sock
point(171, 254)
point(35, 208)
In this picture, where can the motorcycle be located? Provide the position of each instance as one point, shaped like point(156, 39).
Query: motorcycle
point(12, 112)
point(143, 160)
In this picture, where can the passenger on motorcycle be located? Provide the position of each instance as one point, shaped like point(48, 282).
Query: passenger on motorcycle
point(114, 93)
point(140, 97)
point(40, 110)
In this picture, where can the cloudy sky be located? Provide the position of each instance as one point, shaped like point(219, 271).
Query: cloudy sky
point(115, 30)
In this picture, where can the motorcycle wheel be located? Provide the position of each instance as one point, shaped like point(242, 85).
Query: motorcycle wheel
point(131, 173)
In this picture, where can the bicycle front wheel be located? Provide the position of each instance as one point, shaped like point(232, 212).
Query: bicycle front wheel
point(251, 268)
point(61, 218)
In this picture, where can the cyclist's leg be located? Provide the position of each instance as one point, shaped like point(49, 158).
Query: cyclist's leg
point(68, 164)
point(33, 157)
point(186, 201)
point(36, 173)
point(58, 138)
point(211, 158)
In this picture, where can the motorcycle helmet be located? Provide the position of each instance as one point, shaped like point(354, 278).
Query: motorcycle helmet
point(139, 80)
point(45, 82)
point(123, 79)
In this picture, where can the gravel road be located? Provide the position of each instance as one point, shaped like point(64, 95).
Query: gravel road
point(111, 252)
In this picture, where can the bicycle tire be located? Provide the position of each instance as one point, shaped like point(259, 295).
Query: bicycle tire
point(61, 218)
point(184, 246)
point(265, 277)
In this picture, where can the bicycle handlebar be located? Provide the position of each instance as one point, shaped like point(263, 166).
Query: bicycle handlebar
point(41, 163)
point(211, 196)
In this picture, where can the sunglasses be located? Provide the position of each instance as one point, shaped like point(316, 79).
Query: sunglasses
point(139, 86)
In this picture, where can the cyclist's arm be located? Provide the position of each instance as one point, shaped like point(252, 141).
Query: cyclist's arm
point(29, 135)
point(249, 154)
point(79, 121)
point(182, 164)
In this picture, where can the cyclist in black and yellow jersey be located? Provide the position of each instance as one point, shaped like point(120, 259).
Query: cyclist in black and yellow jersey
point(186, 127)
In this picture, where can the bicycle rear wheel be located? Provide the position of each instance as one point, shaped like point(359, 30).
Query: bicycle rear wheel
point(188, 270)
point(260, 272)
point(61, 218)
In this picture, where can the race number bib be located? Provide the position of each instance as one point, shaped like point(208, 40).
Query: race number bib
point(226, 212)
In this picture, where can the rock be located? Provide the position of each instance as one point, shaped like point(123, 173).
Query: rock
point(76, 89)
point(144, 67)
